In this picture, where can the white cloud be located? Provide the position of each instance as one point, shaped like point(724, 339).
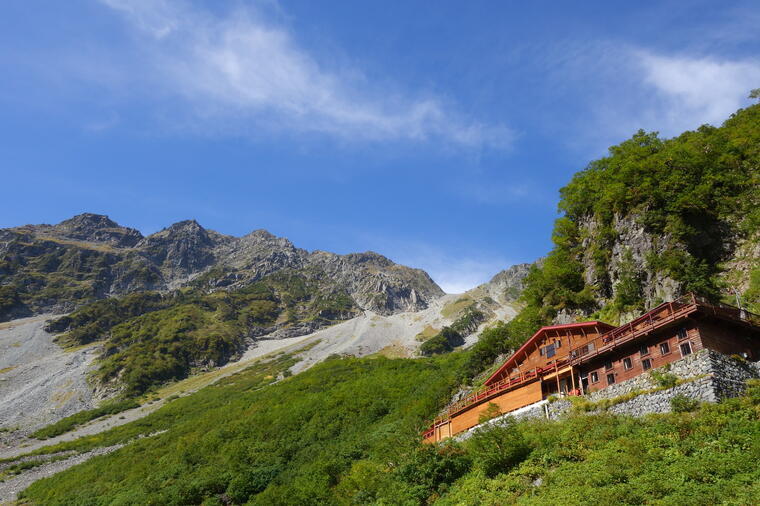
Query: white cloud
point(620, 89)
point(241, 68)
point(697, 90)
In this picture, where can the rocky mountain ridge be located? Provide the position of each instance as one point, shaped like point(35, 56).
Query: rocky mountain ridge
point(88, 257)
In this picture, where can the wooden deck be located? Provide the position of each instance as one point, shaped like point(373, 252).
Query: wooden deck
point(657, 318)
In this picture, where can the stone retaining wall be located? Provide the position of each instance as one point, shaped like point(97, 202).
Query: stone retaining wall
point(710, 376)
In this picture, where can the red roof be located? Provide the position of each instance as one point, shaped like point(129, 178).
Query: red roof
point(510, 361)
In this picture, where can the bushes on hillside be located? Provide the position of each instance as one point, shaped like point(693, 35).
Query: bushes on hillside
point(452, 336)
point(697, 191)
point(347, 432)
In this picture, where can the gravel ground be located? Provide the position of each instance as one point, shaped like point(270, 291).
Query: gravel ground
point(39, 382)
point(10, 488)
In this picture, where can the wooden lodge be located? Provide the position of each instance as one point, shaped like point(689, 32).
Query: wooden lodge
point(578, 358)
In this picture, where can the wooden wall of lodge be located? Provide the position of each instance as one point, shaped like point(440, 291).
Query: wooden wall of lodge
point(568, 338)
point(508, 401)
point(632, 351)
point(722, 337)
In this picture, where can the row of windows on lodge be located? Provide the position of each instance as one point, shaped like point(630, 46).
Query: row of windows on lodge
point(646, 358)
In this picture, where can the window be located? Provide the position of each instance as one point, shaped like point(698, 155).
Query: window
point(646, 364)
point(685, 349)
point(558, 343)
point(644, 350)
point(682, 333)
point(610, 379)
point(594, 377)
point(550, 351)
point(664, 348)
point(608, 365)
point(627, 363)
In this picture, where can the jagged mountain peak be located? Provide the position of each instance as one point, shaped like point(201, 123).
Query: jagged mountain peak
point(184, 251)
point(89, 220)
point(261, 233)
point(181, 227)
point(94, 228)
point(506, 285)
point(369, 257)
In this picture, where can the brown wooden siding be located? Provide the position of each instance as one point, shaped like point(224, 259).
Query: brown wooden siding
point(632, 351)
point(568, 339)
point(730, 339)
point(509, 401)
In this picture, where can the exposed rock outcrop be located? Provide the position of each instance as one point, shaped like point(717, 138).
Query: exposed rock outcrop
point(508, 284)
point(47, 268)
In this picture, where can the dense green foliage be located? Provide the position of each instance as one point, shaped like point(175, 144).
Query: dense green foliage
point(93, 321)
point(698, 193)
point(36, 273)
point(306, 440)
point(494, 341)
point(453, 335)
point(752, 296)
point(346, 432)
point(72, 422)
point(152, 338)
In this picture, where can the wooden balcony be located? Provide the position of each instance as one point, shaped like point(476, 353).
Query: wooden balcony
point(657, 318)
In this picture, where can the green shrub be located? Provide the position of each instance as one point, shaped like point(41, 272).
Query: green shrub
point(663, 378)
point(682, 404)
point(498, 449)
point(72, 422)
point(443, 342)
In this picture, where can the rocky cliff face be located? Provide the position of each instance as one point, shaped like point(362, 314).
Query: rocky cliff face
point(507, 285)
point(93, 228)
point(630, 253)
point(633, 261)
point(58, 267)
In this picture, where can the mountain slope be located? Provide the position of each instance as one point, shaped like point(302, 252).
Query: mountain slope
point(346, 432)
point(56, 268)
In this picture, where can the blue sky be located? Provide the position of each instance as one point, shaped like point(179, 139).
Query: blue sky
point(436, 133)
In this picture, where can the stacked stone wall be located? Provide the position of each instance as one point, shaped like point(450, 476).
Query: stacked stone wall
point(707, 376)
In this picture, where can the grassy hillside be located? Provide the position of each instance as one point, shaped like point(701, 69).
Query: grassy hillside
point(346, 432)
point(300, 441)
point(151, 338)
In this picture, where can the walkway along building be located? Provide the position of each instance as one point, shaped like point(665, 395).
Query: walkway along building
point(581, 358)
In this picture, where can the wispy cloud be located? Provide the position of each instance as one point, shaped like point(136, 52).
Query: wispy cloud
point(620, 88)
point(696, 90)
point(241, 69)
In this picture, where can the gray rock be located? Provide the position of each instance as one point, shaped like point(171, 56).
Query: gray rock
point(112, 260)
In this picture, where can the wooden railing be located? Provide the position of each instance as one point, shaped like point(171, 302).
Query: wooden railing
point(492, 390)
point(656, 318)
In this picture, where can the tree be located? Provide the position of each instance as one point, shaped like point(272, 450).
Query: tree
point(755, 93)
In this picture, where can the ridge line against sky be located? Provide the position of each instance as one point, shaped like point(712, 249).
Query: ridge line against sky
point(437, 136)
